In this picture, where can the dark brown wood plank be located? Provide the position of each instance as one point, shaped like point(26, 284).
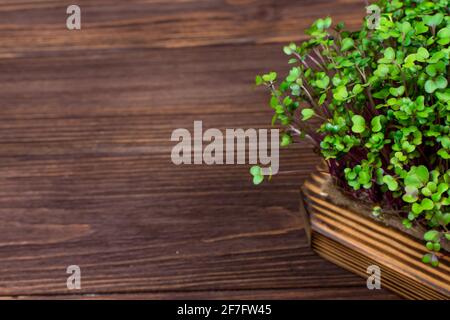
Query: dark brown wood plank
point(325, 293)
point(28, 27)
point(85, 170)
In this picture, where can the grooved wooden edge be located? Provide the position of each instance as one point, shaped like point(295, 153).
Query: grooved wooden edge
point(305, 216)
point(354, 242)
point(357, 263)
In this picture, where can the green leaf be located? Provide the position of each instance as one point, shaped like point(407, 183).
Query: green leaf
point(287, 50)
point(411, 194)
point(382, 94)
point(441, 82)
point(436, 246)
point(416, 208)
point(286, 140)
point(431, 70)
point(363, 177)
point(347, 43)
point(444, 36)
point(340, 93)
point(405, 28)
point(434, 261)
point(426, 258)
point(409, 60)
point(426, 192)
point(357, 89)
point(422, 54)
point(407, 224)
point(273, 102)
point(323, 83)
point(376, 123)
point(420, 28)
point(417, 177)
point(431, 235)
point(437, 57)
point(396, 92)
point(294, 74)
point(327, 22)
point(270, 77)
point(390, 182)
point(446, 219)
point(258, 179)
point(443, 154)
point(307, 113)
point(256, 172)
point(322, 98)
point(320, 24)
point(389, 53)
point(290, 49)
point(432, 85)
point(359, 124)
point(444, 33)
point(382, 71)
point(376, 211)
point(433, 21)
point(427, 204)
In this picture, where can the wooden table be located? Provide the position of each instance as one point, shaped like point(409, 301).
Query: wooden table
point(86, 176)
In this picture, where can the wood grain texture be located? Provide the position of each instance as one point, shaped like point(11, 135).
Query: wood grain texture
point(355, 241)
point(30, 27)
point(85, 171)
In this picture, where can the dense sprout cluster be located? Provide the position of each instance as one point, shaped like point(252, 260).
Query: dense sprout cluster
point(376, 103)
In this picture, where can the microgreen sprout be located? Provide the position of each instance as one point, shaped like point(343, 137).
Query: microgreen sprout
point(376, 104)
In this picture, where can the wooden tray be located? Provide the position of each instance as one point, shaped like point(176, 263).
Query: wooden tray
point(354, 242)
